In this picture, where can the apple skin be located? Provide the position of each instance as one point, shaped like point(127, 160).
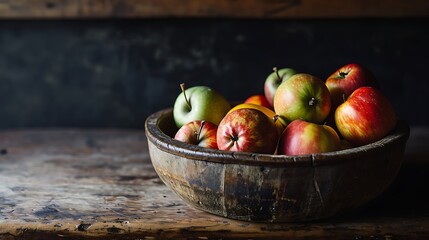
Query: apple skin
point(270, 113)
point(205, 103)
point(247, 130)
point(366, 116)
point(272, 82)
point(201, 133)
point(258, 99)
point(301, 137)
point(302, 96)
point(346, 80)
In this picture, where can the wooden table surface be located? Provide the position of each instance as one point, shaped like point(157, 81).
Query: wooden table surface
point(100, 184)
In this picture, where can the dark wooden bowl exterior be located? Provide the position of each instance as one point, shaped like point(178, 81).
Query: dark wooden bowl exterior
point(273, 188)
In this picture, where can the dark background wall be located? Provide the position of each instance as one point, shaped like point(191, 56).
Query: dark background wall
point(114, 73)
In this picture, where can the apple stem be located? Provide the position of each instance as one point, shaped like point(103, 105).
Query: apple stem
point(343, 74)
point(312, 101)
point(275, 118)
point(200, 130)
point(344, 97)
point(279, 79)
point(182, 86)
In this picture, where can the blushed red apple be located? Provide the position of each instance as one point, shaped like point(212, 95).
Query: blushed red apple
point(302, 137)
point(198, 132)
point(347, 79)
point(247, 130)
point(366, 116)
point(270, 113)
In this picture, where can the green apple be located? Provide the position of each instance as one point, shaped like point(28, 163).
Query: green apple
point(199, 103)
point(302, 96)
point(273, 81)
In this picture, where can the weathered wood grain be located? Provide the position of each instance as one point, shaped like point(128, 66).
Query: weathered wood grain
point(100, 184)
point(212, 8)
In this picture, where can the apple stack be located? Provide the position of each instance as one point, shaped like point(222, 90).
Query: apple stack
point(297, 114)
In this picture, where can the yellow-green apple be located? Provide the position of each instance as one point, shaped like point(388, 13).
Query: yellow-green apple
point(247, 130)
point(199, 103)
point(270, 113)
point(346, 79)
point(366, 116)
point(302, 96)
point(258, 99)
point(273, 81)
point(302, 137)
point(198, 132)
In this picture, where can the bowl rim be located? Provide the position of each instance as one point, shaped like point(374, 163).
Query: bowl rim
point(168, 144)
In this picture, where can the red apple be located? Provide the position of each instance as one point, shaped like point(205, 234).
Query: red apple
point(365, 117)
point(302, 96)
point(273, 81)
point(270, 113)
point(346, 79)
point(258, 99)
point(247, 130)
point(302, 137)
point(199, 132)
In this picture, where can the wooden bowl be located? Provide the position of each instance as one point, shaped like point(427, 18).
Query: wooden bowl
point(273, 188)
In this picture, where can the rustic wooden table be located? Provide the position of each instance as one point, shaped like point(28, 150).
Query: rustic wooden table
point(100, 184)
